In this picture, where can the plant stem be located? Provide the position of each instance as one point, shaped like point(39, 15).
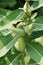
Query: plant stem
point(26, 9)
point(23, 57)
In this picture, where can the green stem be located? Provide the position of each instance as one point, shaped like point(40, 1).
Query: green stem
point(23, 57)
point(27, 12)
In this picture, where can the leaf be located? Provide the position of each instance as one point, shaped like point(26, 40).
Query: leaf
point(40, 12)
point(14, 56)
point(38, 23)
point(32, 62)
point(9, 57)
point(13, 17)
point(38, 27)
point(4, 32)
point(39, 19)
point(4, 3)
point(3, 62)
point(34, 49)
point(17, 60)
point(3, 11)
point(36, 5)
point(6, 44)
point(40, 40)
point(34, 35)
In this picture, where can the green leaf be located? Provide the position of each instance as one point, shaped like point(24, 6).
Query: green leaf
point(40, 12)
point(3, 11)
point(4, 3)
point(38, 24)
point(16, 60)
point(9, 57)
point(34, 35)
point(14, 56)
point(13, 17)
point(32, 62)
point(40, 40)
point(3, 61)
point(39, 19)
point(4, 32)
point(35, 49)
point(36, 5)
point(6, 44)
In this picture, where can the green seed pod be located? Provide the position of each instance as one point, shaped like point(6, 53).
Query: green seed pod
point(27, 8)
point(20, 45)
point(18, 31)
point(29, 28)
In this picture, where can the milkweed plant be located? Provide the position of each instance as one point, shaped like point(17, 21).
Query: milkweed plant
point(21, 33)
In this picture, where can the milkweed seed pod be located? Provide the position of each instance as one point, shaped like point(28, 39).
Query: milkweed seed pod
point(29, 28)
point(18, 31)
point(20, 45)
point(27, 8)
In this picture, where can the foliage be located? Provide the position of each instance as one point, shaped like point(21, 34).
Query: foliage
point(21, 32)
